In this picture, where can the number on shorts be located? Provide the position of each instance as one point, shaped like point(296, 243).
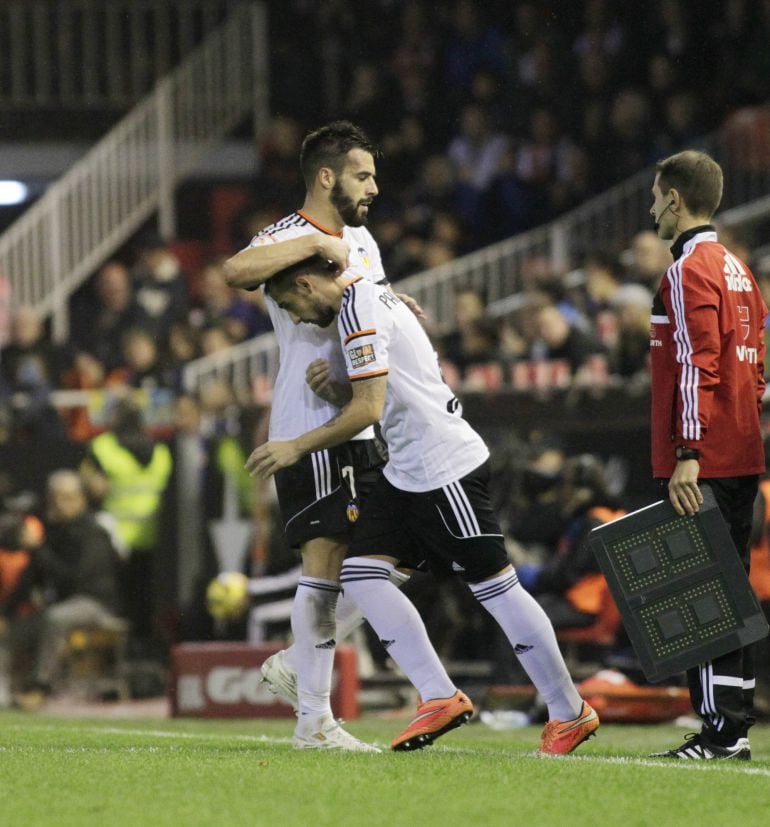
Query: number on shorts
point(349, 476)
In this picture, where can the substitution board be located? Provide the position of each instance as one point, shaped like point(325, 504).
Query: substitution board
point(679, 584)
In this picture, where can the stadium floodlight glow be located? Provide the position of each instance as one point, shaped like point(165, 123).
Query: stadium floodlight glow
point(12, 192)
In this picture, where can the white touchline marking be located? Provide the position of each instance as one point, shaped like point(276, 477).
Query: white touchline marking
point(160, 733)
point(736, 767)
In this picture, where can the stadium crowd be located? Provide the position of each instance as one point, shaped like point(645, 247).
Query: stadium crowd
point(490, 122)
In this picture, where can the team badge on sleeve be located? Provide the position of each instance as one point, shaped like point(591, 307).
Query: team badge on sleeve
point(361, 355)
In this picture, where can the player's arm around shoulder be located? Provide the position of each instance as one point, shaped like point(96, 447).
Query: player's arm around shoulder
point(268, 255)
point(364, 409)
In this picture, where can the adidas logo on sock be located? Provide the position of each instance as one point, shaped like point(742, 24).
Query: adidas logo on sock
point(521, 648)
point(387, 643)
point(329, 644)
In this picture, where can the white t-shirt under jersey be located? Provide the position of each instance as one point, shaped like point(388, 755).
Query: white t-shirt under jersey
point(429, 443)
point(295, 408)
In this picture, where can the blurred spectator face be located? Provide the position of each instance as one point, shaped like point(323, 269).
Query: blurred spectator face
point(26, 327)
point(89, 369)
point(139, 350)
point(435, 253)
point(284, 138)
point(593, 71)
point(633, 305)
point(186, 415)
point(113, 286)
point(412, 134)
point(552, 327)
point(660, 72)
point(215, 396)
point(543, 127)
point(680, 113)
point(629, 114)
point(468, 308)
point(215, 340)
point(214, 289)
point(438, 176)
point(181, 343)
point(650, 256)
point(446, 229)
point(473, 123)
point(66, 498)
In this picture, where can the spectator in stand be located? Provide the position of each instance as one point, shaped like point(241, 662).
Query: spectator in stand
point(476, 151)
point(127, 472)
point(472, 44)
point(474, 338)
point(569, 586)
point(142, 365)
point(30, 367)
point(100, 320)
point(20, 536)
point(79, 565)
point(647, 259)
point(629, 357)
point(558, 339)
point(215, 339)
point(161, 286)
point(29, 360)
point(627, 145)
point(221, 305)
point(276, 182)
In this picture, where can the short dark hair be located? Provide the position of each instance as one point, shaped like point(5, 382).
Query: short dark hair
point(696, 176)
point(284, 279)
point(328, 146)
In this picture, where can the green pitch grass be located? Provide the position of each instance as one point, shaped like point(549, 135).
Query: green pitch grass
point(62, 772)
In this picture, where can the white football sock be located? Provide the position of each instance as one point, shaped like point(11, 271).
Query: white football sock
point(312, 623)
point(531, 634)
point(348, 617)
point(398, 625)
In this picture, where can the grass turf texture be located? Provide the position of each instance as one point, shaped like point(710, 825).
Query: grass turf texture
point(63, 772)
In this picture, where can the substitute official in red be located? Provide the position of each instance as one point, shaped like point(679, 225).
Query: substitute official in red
point(707, 361)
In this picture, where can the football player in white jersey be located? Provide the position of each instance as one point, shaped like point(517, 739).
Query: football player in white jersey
point(431, 503)
point(321, 494)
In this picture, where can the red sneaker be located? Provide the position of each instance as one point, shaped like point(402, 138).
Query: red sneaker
point(561, 737)
point(434, 718)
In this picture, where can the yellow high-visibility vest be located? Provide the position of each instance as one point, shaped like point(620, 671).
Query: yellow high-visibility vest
point(135, 490)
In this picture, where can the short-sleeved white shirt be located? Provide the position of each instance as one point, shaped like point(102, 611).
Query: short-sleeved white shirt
point(295, 408)
point(429, 443)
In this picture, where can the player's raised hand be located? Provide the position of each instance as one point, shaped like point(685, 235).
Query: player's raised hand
point(271, 457)
point(334, 249)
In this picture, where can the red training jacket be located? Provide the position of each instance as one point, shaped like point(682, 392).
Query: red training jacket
point(707, 354)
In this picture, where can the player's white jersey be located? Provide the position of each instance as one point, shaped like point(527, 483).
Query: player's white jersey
point(429, 443)
point(295, 408)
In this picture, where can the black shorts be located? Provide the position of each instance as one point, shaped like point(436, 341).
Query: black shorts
point(451, 529)
point(321, 494)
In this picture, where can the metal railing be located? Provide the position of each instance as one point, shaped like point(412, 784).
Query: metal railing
point(502, 270)
point(88, 213)
point(92, 53)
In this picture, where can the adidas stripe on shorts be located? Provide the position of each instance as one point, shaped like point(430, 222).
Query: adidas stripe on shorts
point(451, 528)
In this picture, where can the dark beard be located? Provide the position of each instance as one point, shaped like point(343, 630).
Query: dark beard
point(346, 208)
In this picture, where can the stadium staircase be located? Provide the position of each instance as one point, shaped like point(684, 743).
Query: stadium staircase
point(131, 173)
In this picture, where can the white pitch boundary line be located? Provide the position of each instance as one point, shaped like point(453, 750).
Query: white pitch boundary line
point(736, 767)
